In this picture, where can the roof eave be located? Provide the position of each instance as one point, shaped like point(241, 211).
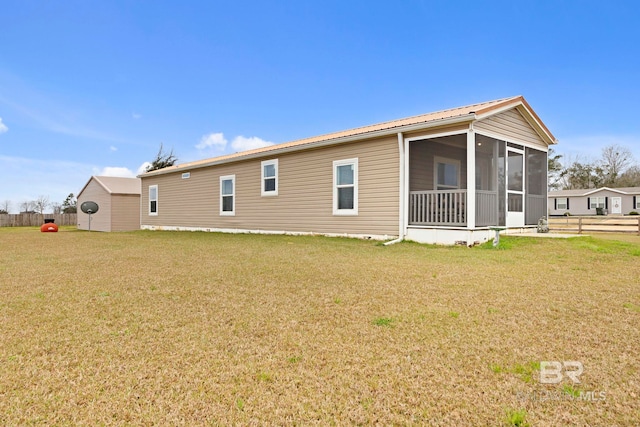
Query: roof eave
point(465, 118)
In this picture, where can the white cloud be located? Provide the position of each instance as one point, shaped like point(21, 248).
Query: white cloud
point(3, 127)
point(136, 116)
point(116, 171)
point(213, 140)
point(242, 143)
point(218, 143)
point(112, 148)
point(143, 168)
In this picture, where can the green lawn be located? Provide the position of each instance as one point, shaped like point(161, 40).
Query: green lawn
point(172, 328)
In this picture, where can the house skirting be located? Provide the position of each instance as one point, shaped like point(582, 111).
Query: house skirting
point(282, 232)
point(458, 236)
point(440, 235)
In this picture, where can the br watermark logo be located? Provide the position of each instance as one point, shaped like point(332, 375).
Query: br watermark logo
point(569, 372)
point(553, 372)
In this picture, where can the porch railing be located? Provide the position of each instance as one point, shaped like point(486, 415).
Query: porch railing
point(441, 207)
point(448, 208)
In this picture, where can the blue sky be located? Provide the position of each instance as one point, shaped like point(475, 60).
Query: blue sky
point(90, 87)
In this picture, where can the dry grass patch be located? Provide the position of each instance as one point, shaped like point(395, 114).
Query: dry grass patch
point(199, 328)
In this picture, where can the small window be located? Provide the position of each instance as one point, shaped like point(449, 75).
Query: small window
point(447, 174)
point(227, 195)
point(345, 187)
point(153, 200)
point(597, 202)
point(637, 199)
point(561, 203)
point(269, 178)
point(186, 175)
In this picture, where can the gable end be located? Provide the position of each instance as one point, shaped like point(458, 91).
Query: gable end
point(512, 125)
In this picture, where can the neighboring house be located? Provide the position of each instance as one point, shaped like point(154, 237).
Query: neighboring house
point(118, 200)
point(612, 201)
point(444, 177)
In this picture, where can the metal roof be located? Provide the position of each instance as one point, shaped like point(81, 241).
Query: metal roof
point(589, 191)
point(117, 185)
point(459, 114)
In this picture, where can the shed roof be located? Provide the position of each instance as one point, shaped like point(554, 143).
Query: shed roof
point(468, 113)
point(116, 185)
point(590, 191)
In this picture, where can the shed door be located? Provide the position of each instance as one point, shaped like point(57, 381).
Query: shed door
point(515, 187)
point(616, 205)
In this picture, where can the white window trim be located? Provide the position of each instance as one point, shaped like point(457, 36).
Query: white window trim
point(558, 203)
point(264, 163)
point(594, 202)
point(156, 200)
point(233, 195)
point(445, 160)
point(637, 202)
point(345, 162)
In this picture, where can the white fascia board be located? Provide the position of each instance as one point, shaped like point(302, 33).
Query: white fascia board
point(603, 189)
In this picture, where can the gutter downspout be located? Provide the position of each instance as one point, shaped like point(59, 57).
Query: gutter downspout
point(401, 228)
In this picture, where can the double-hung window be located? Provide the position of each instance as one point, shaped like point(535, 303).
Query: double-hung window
point(596, 202)
point(637, 199)
point(345, 187)
point(562, 203)
point(269, 178)
point(153, 200)
point(447, 174)
point(228, 195)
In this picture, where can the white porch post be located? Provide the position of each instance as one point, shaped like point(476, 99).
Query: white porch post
point(471, 178)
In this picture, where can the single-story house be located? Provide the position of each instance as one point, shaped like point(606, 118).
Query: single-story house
point(118, 201)
point(445, 177)
point(612, 201)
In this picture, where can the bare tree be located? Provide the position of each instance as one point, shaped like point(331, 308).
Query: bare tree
point(26, 207)
point(41, 203)
point(56, 207)
point(614, 168)
point(5, 207)
point(614, 161)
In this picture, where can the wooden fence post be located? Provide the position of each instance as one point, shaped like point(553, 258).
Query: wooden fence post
point(579, 225)
point(639, 226)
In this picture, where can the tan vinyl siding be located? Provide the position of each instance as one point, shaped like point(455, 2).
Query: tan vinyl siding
point(513, 126)
point(100, 221)
point(125, 212)
point(305, 190)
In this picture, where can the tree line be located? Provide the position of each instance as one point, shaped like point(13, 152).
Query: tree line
point(615, 168)
point(39, 205)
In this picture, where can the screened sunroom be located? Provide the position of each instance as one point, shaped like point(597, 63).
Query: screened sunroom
point(507, 182)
